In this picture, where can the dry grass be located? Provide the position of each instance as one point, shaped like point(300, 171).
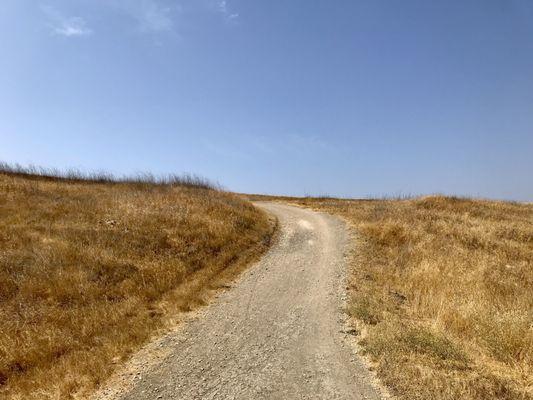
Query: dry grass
point(442, 291)
point(89, 271)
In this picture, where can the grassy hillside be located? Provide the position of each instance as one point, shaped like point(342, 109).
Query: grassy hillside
point(442, 294)
point(89, 270)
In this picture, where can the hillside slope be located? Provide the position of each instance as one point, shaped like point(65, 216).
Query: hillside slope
point(88, 271)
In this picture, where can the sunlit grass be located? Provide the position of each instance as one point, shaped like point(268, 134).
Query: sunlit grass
point(90, 269)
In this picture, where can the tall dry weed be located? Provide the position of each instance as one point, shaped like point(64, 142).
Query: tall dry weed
point(89, 270)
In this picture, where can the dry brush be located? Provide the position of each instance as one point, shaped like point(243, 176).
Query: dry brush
point(91, 268)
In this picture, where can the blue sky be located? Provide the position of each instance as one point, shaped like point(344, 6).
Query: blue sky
point(348, 98)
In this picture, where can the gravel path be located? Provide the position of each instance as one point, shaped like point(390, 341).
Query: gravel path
point(279, 333)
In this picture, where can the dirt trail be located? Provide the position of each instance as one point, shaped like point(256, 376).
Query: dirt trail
point(279, 333)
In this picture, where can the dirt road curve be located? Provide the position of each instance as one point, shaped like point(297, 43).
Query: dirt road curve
point(277, 334)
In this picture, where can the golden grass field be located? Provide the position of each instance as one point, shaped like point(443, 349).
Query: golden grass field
point(442, 294)
point(441, 288)
point(89, 271)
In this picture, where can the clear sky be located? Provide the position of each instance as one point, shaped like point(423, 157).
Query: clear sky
point(340, 97)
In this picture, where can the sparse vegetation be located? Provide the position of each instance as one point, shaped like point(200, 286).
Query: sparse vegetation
point(77, 176)
point(442, 294)
point(90, 268)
